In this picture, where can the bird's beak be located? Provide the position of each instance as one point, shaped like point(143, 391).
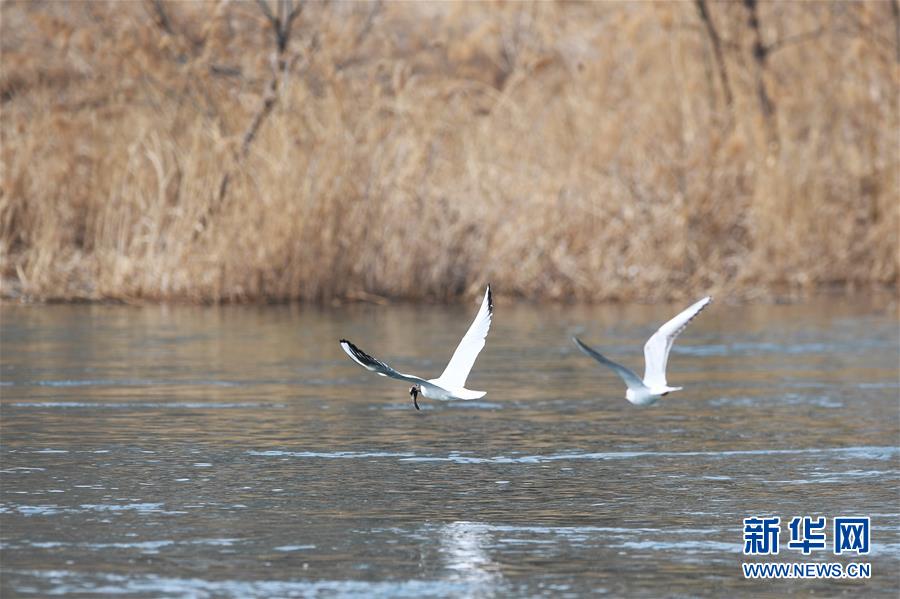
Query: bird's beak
point(415, 394)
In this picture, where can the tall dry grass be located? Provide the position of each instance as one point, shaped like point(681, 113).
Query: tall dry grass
point(165, 150)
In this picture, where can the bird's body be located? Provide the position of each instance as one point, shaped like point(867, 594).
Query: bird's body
point(434, 389)
point(646, 391)
point(451, 385)
point(647, 396)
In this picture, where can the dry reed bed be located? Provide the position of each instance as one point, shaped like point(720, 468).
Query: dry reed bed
point(560, 150)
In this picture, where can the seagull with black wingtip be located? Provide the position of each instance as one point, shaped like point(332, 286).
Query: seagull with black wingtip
point(656, 354)
point(451, 384)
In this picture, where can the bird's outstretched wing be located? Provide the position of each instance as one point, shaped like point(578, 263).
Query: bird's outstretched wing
point(376, 365)
point(657, 348)
point(630, 378)
point(460, 365)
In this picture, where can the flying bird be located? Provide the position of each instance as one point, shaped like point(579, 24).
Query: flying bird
point(656, 354)
point(452, 383)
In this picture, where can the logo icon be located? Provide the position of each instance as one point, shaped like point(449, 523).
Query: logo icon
point(851, 535)
point(807, 534)
point(761, 535)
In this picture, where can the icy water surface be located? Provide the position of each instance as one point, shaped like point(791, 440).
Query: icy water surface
point(237, 452)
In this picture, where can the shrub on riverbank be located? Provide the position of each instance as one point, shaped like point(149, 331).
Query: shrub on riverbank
point(168, 150)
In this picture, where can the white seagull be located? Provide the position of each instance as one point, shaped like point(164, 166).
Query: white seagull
point(656, 354)
point(452, 383)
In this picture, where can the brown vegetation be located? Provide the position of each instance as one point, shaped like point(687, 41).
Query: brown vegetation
point(183, 151)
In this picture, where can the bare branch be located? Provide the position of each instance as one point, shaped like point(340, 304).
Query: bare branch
point(161, 17)
point(760, 54)
point(281, 24)
point(367, 26)
point(268, 103)
point(716, 41)
point(295, 11)
point(292, 13)
point(264, 7)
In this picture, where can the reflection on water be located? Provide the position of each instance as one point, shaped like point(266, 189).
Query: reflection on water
point(185, 451)
point(465, 549)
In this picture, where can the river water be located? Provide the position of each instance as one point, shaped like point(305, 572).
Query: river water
point(237, 452)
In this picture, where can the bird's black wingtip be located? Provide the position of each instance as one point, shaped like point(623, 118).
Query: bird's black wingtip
point(581, 345)
point(490, 298)
point(350, 348)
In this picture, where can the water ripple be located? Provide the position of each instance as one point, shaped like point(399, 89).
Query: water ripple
point(875, 453)
point(143, 405)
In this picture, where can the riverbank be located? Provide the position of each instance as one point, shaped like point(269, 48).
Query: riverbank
point(565, 152)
